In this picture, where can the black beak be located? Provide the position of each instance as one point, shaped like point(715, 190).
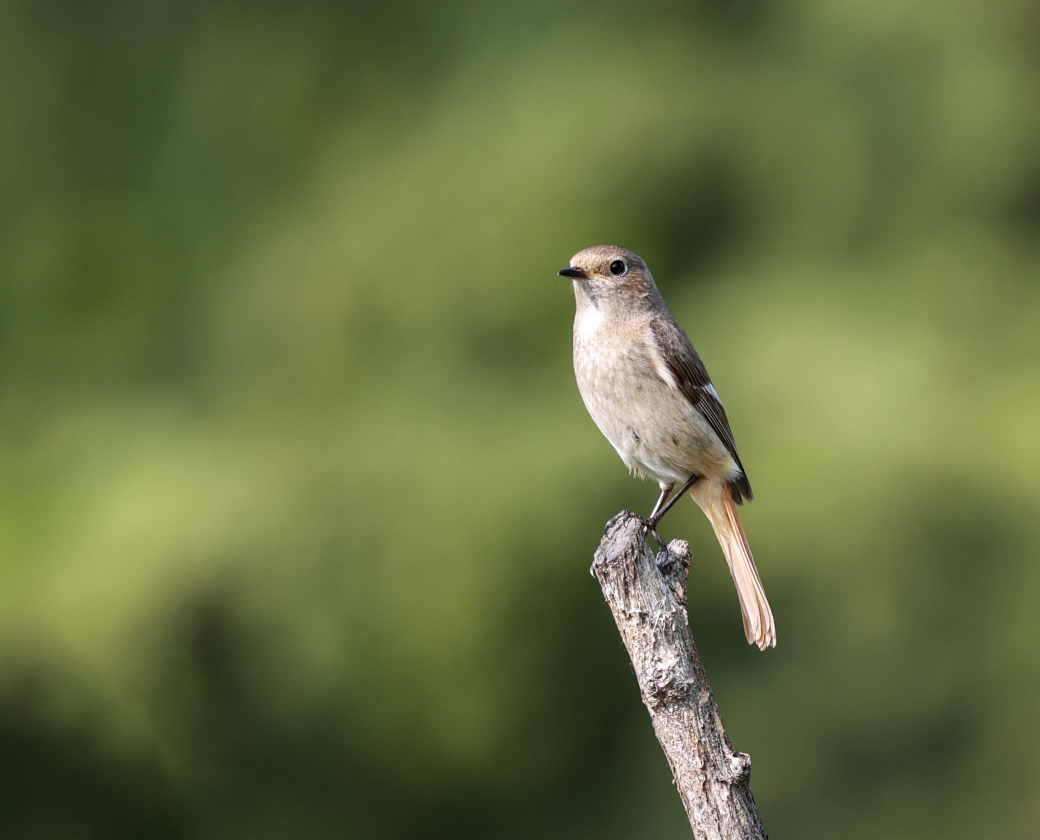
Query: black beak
point(572, 272)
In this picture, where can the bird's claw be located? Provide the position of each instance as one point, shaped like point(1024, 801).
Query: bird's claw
point(650, 527)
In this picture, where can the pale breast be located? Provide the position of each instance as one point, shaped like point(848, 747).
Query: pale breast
point(652, 425)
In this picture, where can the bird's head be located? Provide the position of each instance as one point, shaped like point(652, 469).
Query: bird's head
point(610, 274)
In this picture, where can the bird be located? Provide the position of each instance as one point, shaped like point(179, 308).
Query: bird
point(649, 393)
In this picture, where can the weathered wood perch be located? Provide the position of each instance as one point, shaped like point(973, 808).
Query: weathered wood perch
point(648, 598)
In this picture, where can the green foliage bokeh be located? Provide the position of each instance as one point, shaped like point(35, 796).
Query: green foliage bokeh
point(297, 495)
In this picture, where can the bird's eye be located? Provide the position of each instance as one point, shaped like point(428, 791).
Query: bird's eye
point(618, 267)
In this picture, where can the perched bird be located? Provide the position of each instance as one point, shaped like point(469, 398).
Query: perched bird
point(649, 393)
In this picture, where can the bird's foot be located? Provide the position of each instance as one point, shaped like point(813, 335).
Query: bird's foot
point(650, 527)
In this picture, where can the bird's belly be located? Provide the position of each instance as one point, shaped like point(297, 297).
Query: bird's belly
point(653, 427)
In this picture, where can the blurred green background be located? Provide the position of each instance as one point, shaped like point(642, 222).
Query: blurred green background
point(297, 494)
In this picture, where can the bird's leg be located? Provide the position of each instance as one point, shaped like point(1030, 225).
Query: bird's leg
point(666, 489)
point(658, 514)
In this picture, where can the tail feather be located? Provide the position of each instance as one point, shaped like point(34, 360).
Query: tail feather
point(717, 503)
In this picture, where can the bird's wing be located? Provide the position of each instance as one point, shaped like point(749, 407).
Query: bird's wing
point(691, 378)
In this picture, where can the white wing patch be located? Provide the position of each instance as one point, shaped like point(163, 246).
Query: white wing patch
point(662, 368)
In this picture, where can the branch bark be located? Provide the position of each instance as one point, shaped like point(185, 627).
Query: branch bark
point(647, 596)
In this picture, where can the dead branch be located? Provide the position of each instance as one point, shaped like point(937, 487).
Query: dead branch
point(648, 598)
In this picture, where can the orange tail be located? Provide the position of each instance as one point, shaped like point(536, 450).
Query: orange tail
point(715, 500)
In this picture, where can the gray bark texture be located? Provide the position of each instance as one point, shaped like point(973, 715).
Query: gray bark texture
point(648, 598)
